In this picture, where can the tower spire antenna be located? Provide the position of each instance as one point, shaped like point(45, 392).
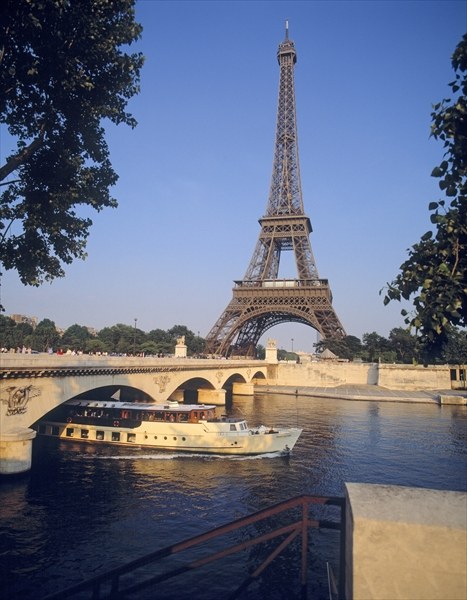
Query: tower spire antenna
point(287, 29)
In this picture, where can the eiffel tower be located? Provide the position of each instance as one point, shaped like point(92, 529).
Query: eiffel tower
point(261, 300)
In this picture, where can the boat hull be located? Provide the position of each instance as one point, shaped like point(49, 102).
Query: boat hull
point(202, 437)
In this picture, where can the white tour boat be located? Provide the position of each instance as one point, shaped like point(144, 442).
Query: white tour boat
point(167, 426)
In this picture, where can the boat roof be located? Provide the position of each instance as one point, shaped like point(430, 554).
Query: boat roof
point(169, 405)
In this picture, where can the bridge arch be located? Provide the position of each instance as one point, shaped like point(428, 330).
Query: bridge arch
point(122, 393)
point(188, 390)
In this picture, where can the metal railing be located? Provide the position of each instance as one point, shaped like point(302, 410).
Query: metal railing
point(271, 284)
point(113, 584)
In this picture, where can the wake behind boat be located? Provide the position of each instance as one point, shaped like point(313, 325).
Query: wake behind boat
point(167, 426)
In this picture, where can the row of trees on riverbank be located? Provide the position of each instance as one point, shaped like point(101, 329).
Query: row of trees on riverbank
point(399, 347)
point(117, 339)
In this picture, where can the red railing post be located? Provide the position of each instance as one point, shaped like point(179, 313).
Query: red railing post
point(285, 535)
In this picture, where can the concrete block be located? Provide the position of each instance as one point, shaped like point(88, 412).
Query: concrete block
point(405, 543)
point(457, 400)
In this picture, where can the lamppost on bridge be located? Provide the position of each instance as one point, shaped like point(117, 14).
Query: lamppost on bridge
point(134, 339)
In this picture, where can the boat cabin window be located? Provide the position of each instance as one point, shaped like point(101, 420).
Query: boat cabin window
point(152, 416)
point(55, 430)
point(84, 433)
point(233, 427)
point(131, 437)
point(99, 435)
point(69, 431)
point(115, 436)
point(195, 415)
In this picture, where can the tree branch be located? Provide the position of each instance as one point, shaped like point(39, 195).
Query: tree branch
point(18, 159)
point(456, 254)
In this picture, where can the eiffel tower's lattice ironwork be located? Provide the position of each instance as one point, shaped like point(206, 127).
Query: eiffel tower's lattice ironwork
point(262, 300)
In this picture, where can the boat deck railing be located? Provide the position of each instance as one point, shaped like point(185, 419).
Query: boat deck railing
point(291, 521)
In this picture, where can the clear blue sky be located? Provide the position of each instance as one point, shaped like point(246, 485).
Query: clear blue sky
point(195, 173)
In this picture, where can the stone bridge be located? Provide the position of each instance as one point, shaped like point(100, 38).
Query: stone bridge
point(32, 385)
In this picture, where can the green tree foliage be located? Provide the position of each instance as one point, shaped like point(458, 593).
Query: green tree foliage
point(95, 346)
point(454, 349)
point(24, 333)
point(149, 348)
point(7, 327)
point(14, 335)
point(282, 354)
point(119, 339)
point(162, 341)
point(376, 347)
point(404, 344)
point(46, 336)
point(195, 344)
point(401, 346)
point(348, 347)
point(435, 272)
point(124, 339)
point(62, 73)
point(75, 337)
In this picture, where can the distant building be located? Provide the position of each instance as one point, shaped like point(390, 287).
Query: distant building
point(25, 319)
point(306, 356)
point(327, 355)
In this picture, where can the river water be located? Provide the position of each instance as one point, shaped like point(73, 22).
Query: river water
point(82, 510)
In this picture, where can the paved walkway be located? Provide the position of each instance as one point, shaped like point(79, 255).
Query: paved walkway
point(364, 392)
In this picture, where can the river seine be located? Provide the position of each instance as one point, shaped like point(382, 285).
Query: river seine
point(84, 509)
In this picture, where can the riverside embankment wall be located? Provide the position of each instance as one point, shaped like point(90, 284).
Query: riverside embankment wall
point(334, 373)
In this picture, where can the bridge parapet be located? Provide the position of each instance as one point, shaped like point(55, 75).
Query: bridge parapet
point(13, 366)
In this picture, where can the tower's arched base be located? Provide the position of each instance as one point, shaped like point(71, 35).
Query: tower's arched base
point(255, 308)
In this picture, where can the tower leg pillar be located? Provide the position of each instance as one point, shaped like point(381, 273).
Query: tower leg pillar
point(16, 450)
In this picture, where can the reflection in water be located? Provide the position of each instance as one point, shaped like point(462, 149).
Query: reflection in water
point(84, 509)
